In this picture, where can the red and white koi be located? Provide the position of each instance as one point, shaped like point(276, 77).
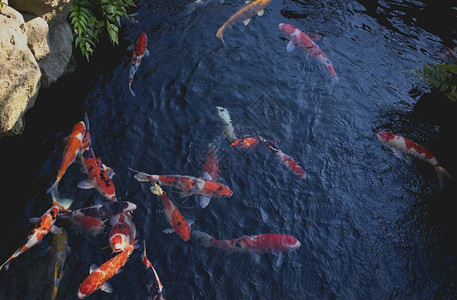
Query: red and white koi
point(299, 38)
point(210, 171)
point(400, 144)
point(189, 185)
point(155, 288)
point(72, 149)
point(42, 226)
point(244, 14)
point(139, 50)
point(122, 232)
point(173, 215)
point(98, 277)
point(289, 162)
point(245, 143)
point(261, 243)
point(58, 256)
point(227, 128)
point(99, 174)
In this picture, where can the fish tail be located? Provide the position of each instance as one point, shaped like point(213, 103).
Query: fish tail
point(65, 202)
point(204, 201)
point(140, 176)
point(202, 237)
point(443, 176)
point(220, 34)
point(6, 264)
point(53, 188)
point(86, 120)
point(130, 88)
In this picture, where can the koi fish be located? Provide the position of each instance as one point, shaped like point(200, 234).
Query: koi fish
point(303, 41)
point(210, 171)
point(399, 144)
point(58, 257)
point(102, 211)
point(256, 245)
point(245, 143)
point(189, 185)
point(72, 148)
point(122, 232)
point(139, 50)
point(98, 277)
point(92, 225)
point(227, 127)
point(99, 174)
point(173, 215)
point(43, 225)
point(289, 162)
point(155, 288)
point(244, 14)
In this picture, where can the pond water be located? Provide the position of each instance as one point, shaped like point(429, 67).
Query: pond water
point(370, 225)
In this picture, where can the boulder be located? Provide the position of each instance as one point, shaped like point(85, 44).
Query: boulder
point(54, 64)
point(19, 72)
point(53, 11)
point(37, 36)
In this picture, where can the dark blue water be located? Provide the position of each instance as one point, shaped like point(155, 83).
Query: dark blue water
point(371, 225)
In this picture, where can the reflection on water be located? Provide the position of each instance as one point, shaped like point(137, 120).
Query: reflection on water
point(369, 223)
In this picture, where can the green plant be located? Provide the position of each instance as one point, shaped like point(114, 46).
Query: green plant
point(443, 77)
point(92, 18)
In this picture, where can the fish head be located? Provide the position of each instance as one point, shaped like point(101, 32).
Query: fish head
point(293, 243)
point(287, 28)
point(119, 242)
point(385, 136)
point(224, 191)
point(143, 38)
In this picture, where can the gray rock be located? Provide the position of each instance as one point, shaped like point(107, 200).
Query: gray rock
point(53, 11)
point(19, 72)
point(37, 36)
point(54, 64)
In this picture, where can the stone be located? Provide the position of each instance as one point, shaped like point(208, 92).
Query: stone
point(37, 35)
point(54, 64)
point(19, 72)
point(53, 11)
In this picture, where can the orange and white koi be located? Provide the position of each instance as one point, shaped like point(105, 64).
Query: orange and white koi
point(244, 14)
point(299, 38)
point(189, 185)
point(72, 149)
point(139, 50)
point(227, 127)
point(42, 226)
point(58, 257)
point(99, 174)
point(245, 143)
point(399, 144)
point(173, 215)
point(98, 277)
point(122, 232)
point(289, 162)
point(261, 243)
point(210, 171)
point(155, 288)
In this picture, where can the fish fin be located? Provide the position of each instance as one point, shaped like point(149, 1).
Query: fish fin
point(131, 91)
point(34, 220)
point(118, 272)
point(146, 52)
point(53, 187)
point(137, 246)
point(279, 260)
point(256, 255)
point(220, 34)
point(92, 268)
point(140, 176)
point(202, 237)
point(260, 13)
point(204, 201)
point(85, 184)
point(66, 203)
point(207, 176)
point(130, 48)
point(168, 230)
point(56, 230)
point(6, 264)
point(290, 46)
point(443, 176)
point(106, 287)
point(246, 22)
point(190, 222)
point(264, 216)
point(110, 173)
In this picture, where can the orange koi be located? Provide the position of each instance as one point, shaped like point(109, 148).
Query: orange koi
point(174, 216)
point(72, 148)
point(245, 143)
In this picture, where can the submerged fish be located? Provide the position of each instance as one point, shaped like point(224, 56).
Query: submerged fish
point(41, 228)
point(189, 185)
point(139, 50)
point(245, 143)
point(300, 39)
point(122, 232)
point(72, 148)
point(400, 144)
point(103, 211)
point(58, 257)
point(173, 215)
point(244, 14)
point(210, 171)
point(99, 174)
point(227, 127)
point(155, 288)
point(98, 277)
point(289, 162)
